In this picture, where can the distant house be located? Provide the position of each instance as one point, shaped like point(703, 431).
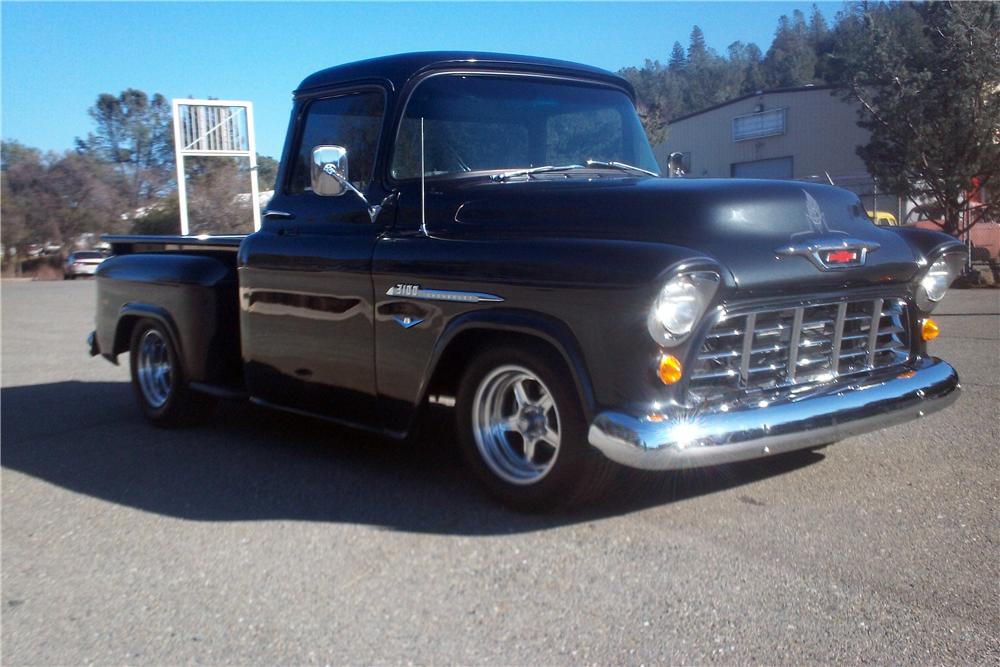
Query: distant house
point(805, 133)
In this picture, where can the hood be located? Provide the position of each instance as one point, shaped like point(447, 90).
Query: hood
point(774, 237)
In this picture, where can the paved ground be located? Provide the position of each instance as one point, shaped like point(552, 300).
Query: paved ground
point(263, 539)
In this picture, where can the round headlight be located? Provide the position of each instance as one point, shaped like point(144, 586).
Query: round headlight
point(938, 278)
point(680, 304)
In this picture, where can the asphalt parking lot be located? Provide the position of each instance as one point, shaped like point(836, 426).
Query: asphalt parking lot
point(266, 539)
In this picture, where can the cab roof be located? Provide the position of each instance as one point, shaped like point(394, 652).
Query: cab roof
point(398, 69)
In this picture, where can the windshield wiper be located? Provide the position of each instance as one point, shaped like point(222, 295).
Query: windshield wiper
point(535, 170)
point(590, 164)
point(620, 165)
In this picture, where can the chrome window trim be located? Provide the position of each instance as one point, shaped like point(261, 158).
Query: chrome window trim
point(419, 79)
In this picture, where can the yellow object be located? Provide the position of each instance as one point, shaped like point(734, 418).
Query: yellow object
point(930, 329)
point(670, 371)
point(883, 218)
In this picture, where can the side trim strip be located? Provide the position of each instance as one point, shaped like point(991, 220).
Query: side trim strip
point(417, 292)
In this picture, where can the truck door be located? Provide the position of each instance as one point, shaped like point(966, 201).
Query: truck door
point(305, 277)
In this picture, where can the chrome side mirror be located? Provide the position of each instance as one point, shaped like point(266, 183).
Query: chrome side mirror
point(329, 171)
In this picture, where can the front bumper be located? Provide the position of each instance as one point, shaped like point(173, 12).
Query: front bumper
point(693, 439)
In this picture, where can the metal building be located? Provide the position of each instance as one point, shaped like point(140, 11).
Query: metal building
point(806, 133)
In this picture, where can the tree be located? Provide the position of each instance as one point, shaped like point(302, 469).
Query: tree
point(745, 66)
point(56, 198)
point(218, 196)
point(267, 172)
point(13, 153)
point(678, 61)
point(927, 79)
point(791, 60)
point(133, 133)
point(702, 75)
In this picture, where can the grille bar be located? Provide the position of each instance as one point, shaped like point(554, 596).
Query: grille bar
point(748, 335)
point(838, 334)
point(784, 347)
point(873, 332)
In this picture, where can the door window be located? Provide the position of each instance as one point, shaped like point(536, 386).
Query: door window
point(353, 121)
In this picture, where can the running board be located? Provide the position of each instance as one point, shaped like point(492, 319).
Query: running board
point(227, 393)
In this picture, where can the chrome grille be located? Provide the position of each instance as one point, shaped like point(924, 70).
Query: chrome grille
point(751, 353)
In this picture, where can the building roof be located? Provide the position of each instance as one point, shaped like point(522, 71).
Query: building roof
point(398, 69)
point(792, 89)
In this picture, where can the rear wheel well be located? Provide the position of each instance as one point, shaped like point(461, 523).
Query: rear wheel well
point(466, 345)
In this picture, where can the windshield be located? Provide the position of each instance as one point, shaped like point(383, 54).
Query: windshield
point(503, 123)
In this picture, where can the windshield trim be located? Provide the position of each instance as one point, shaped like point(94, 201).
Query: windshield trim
point(411, 87)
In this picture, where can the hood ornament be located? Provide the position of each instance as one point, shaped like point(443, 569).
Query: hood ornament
point(828, 249)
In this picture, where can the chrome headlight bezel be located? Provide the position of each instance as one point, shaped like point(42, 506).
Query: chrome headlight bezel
point(680, 305)
point(935, 281)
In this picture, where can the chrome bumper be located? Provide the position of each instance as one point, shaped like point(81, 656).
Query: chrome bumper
point(706, 438)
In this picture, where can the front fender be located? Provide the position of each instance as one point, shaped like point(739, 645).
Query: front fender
point(525, 322)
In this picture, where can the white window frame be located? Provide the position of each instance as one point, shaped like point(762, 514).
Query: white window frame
point(783, 111)
point(181, 151)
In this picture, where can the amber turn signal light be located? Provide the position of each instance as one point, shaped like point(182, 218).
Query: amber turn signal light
point(670, 370)
point(929, 330)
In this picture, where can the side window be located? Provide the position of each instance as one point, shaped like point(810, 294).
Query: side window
point(353, 121)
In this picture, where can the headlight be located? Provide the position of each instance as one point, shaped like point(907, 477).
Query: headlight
point(680, 304)
point(938, 278)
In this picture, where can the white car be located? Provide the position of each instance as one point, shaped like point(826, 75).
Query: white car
point(82, 263)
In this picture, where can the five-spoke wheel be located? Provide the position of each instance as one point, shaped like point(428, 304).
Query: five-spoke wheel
point(523, 431)
point(516, 424)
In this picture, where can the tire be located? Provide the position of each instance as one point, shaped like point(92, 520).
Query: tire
point(158, 381)
point(523, 433)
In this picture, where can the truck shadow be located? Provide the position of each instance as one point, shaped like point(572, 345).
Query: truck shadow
point(251, 464)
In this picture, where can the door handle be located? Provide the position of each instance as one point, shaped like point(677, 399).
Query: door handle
point(279, 215)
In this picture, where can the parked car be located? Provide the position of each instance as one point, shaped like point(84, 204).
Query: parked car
point(82, 263)
point(490, 231)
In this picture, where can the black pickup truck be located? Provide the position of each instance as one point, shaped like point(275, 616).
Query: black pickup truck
point(491, 232)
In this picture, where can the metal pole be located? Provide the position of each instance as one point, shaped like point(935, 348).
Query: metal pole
point(179, 159)
point(252, 145)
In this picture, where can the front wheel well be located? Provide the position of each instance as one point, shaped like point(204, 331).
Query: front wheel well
point(462, 349)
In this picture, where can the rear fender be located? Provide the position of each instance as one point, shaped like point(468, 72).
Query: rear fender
point(194, 298)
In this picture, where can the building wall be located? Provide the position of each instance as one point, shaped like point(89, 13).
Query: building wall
point(821, 136)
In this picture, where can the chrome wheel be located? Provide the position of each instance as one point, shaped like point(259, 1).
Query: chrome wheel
point(154, 369)
point(516, 425)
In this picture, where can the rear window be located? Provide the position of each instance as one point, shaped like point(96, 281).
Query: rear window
point(88, 255)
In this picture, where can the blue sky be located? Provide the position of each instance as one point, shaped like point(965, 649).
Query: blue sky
point(57, 57)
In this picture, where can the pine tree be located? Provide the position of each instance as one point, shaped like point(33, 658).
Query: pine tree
point(678, 61)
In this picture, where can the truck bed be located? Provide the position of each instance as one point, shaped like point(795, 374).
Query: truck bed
point(131, 244)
